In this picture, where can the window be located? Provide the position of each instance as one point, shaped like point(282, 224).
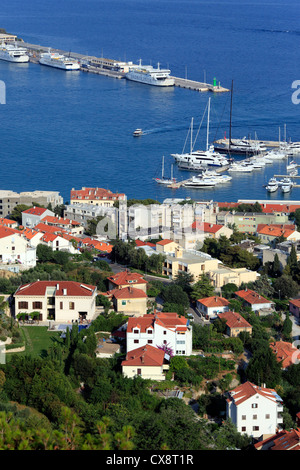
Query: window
point(243, 417)
point(165, 332)
point(61, 305)
point(37, 305)
point(243, 428)
point(150, 341)
point(123, 302)
point(255, 428)
point(23, 304)
point(136, 332)
point(71, 305)
point(149, 332)
point(254, 405)
point(268, 416)
point(254, 417)
point(136, 341)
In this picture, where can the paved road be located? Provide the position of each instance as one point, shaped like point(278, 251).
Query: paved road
point(295, 329)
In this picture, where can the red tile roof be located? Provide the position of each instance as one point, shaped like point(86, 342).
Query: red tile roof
point(141, 243)
point(165, 242)
point(97, 244)
point(283, 440)
point(45, 228)
point(95, 193)
point(125, 278)
point(247, 390)
point(35, 210)
point(72, 288)
point(8, 222)
point(234, 320)
point(206, 227)
point(295, 302)
point(52, 220)
point(145, 356)
point(29, 233)
point(267, 208)
point(252, 297)
point(168, 320)
point(7, 232)
point(276, 230)
point(285, 353)
point(213, 301)
point(128, 293)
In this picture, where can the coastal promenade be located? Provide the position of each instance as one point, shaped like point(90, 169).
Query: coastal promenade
point(35, 50)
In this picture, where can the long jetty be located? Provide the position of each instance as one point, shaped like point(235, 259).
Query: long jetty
point(107, 67)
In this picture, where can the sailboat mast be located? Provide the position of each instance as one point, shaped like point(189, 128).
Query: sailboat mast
point(207, 133)
point(192, 121)
point(230, 115)
point(162, 168)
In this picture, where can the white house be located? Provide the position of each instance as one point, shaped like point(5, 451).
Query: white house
point(147, 362)
point(160, 329)
point(210, 307)
point(33, 216)
point(61, 301)
point(15, 249)
point(255, 410)
point(255, 301)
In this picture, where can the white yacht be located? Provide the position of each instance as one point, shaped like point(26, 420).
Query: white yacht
point(194, 160)
point(240, 168)
point(272, 185)
point(240, 146)
point(292, 148)
point(59, 61)
point(201, 182)
point(291, 166)
point(12, 53)
point(137, 133)
point(286, 185)
point(150, 75)
point(276, 155)
point(219, 177)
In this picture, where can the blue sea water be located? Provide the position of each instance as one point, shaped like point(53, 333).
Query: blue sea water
point(62, 130)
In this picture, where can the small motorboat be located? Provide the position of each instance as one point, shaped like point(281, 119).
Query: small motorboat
point(137, 133)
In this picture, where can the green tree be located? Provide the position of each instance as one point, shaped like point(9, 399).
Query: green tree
point(263, 367)
point(287, 328)
point(202, 288)
point(276, 266)
point(16, 213)
point(285, 287)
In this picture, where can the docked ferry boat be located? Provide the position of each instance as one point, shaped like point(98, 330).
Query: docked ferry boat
point(150, 75)
point(53, 59)
point(12, 53)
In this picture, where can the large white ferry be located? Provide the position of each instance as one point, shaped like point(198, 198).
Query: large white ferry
point(53, 59)
point(12, 53)
point(150, 75)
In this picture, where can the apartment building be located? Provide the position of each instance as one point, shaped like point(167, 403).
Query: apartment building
point(255, 410)
point(160, 329)
point(63, 301)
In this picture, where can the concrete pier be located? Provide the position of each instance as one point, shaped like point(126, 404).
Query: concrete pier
point(198, 86)
point(109, 68)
